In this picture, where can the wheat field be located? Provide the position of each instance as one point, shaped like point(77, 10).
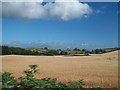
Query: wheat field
point(96, 70)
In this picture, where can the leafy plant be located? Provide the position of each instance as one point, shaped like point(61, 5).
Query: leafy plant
point(75, 84)
point(8, 80)
point(29, 81)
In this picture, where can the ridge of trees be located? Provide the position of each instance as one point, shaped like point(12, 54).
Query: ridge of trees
point(6, 50)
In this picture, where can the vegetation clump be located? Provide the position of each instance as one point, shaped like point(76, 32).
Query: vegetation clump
point(29, 81)
point(6, 50)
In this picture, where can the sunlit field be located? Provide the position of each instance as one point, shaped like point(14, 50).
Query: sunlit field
point(96, 70)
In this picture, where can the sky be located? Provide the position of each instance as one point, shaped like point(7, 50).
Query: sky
point(60, 25)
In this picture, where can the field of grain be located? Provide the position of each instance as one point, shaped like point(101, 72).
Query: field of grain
point(96, 70)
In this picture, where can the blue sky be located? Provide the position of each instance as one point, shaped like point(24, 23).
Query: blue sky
point(98, 30)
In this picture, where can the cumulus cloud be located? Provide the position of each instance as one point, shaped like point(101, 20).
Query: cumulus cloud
point(21, 0)
point(38, 10)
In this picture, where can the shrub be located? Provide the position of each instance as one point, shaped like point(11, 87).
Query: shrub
point(75, 84)
point(8, 80)
point(29, 81)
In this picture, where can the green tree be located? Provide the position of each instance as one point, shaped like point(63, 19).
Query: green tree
point(45, 48)
point(76, 49)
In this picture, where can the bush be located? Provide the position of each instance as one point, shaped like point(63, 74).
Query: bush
point(8, 80)
point(29, 81)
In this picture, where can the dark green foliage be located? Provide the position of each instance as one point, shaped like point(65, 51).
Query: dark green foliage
point(45, 48)
point(76, 49)
point(97, 51)
point(84, 50)
point(8, 80)
point(29, 81)
point(101, 51)
point(50, 52)
point(63, 53)
point(21, 51)
point(31, 71)
point(75, 85)
point(17, 51)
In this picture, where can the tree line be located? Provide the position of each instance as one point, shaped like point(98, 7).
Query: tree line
point(6, 50)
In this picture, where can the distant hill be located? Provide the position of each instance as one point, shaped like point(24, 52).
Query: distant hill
point(111, 49)
point(6, 50)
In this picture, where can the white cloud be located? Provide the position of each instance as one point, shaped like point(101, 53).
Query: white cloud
point(35, 10)
point(21, 0)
